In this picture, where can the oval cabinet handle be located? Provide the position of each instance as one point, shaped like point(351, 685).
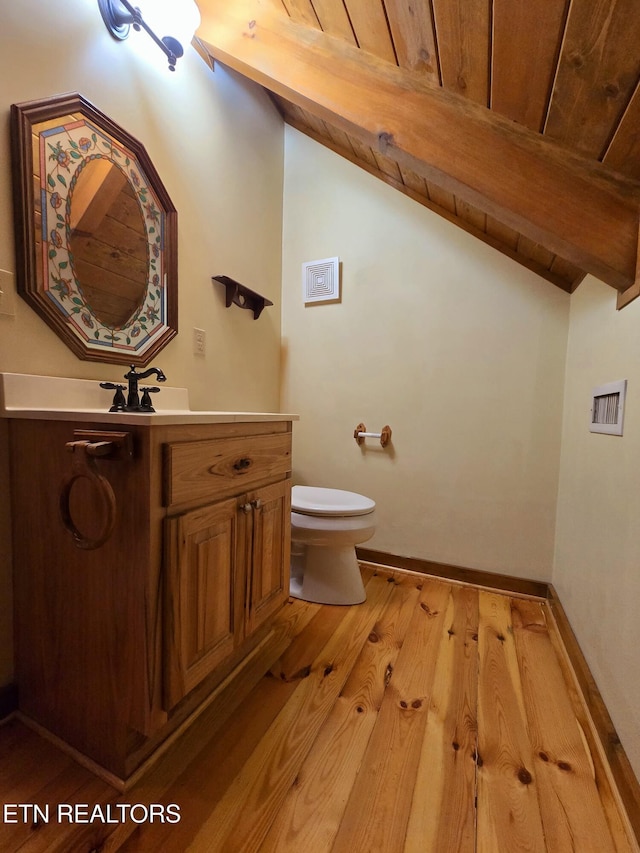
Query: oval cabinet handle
point(84, 466)
point(246, 508)
point(256, 504)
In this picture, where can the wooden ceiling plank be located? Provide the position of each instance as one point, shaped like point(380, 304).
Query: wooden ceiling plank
point(369, 23)
point(442, 198)
point(598, 71)
point(415, 182)
point(568, 271)
point(301, 11)
point(288, 110)
point(463, 29)
point(471, 214)
point(292, 111)
point(334, 19)
point(364, 154)
point(579, 209)
point(388, 166)
point(502, 232)
point(535, 251)
point(526, 35)
point(340, 138)
point(413, 36)
point(297, 117)
point(316, 123)
point(623, 153)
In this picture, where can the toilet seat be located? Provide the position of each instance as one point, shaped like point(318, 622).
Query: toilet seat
point(316, 501)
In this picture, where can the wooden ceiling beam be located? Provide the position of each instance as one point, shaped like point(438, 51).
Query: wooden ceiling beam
point(574, 207)
point(560, 280)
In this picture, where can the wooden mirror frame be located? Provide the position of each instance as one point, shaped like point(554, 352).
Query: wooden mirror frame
point(44, 266)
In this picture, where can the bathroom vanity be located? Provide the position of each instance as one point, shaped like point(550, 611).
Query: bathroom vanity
point(151, 553)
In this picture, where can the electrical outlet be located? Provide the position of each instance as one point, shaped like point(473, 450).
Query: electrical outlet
point(199, 341)
point(7, 294)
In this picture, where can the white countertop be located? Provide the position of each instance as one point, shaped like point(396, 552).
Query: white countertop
point(56, 398)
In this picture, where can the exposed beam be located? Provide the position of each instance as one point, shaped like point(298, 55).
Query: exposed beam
point(560, 281)
point(573, 206)
point(633, 291)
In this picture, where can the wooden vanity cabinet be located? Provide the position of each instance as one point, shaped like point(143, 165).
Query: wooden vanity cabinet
point(119, 645)
point(227, 573)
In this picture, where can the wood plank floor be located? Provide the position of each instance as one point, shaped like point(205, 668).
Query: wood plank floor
point(435, 717)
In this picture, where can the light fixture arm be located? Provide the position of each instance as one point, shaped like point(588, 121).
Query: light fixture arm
point(118, 23)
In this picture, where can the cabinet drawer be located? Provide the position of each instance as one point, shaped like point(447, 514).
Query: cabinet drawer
point(218, 468)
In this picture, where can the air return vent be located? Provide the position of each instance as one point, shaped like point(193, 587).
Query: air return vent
point(321, 280)
point(607, 408)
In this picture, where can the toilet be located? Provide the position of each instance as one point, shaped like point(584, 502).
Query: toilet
point(326, 525)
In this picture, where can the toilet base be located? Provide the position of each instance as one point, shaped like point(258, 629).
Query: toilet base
point(331, 576)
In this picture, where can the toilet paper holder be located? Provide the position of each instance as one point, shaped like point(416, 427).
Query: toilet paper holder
point(360, 433)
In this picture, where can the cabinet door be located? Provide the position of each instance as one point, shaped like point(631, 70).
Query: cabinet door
point(204, 595)
point(268, 569)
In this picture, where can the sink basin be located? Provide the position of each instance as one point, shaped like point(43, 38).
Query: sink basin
point(54, 397)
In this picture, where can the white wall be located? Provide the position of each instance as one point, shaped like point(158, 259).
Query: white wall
point(217, 142)
point(460, 350)
point(597, 559)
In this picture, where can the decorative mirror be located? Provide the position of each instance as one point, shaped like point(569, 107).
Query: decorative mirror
point(96, 232)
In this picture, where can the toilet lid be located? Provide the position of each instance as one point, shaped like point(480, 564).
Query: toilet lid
point(313, 500)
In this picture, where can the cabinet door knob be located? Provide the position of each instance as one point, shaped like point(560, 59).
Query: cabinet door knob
point(254, 504)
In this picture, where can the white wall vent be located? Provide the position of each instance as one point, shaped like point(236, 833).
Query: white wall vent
point(321, 281)
point(607, 408)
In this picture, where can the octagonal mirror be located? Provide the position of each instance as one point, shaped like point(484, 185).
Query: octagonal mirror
point(96, 232)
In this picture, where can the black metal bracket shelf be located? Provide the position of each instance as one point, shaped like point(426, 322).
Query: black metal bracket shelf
point(243, 297)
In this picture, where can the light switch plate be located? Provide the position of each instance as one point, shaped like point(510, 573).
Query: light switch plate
point(7, 294)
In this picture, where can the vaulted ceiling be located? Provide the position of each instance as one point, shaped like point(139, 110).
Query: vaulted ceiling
point(518, 120)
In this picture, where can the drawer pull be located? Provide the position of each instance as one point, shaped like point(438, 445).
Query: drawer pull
point(242, 464)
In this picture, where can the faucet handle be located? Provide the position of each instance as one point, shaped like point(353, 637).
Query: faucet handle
point(145, 403)
point(119, 402)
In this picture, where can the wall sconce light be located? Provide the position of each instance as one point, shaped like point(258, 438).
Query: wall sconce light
point(119, 16)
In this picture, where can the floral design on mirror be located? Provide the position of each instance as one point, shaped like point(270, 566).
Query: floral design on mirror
point(95, 232)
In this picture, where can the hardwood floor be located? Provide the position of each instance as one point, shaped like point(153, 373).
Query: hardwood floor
point(435, 717)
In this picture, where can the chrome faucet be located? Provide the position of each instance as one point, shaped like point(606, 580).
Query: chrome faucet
point(133, 402)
